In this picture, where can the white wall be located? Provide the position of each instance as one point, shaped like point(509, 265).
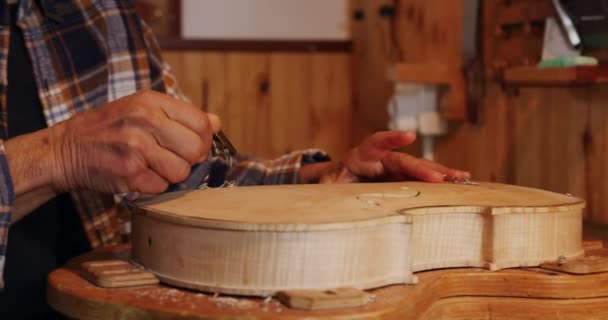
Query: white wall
point(265, 19)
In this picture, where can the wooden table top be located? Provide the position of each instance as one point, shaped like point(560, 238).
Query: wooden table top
point(463, 293)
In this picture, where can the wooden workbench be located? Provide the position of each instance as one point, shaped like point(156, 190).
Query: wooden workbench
point(466, 293)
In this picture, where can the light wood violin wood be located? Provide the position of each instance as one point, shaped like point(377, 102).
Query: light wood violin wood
point(260, 240)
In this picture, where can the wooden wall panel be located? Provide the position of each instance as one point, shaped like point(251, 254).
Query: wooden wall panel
point(534, 139)
point(551, 138)
point(597, 156)
point(416, 32)
point(246, 110)
point(331, 121)
point(271, 103)
point(483, 150)
point(548, 136)
point(290, 100)
point(427, 34)
point(374, 50)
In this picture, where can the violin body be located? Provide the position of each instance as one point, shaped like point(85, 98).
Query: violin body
point(263, 239)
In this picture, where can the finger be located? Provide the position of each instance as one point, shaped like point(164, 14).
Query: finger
point(401, 164)
point(148, 182)
point(448, 172)
point(113, 174)
point(171, 134)
point(458, 175)
point(135, 150)
point(181, 141)
point(100, 179)
point(185, 113)
point(214, 120)
point(168, 165)
point(381, 144)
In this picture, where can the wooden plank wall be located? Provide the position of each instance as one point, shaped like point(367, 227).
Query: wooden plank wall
point(538, 138)
point(550, 138)
point(271, 103)
point(374, 50)
point(416, 33)
point(596, 155)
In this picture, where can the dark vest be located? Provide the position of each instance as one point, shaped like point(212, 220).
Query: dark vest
point(46, 238)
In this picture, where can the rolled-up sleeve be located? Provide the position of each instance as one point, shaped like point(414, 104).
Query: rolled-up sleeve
point(7, 199)
point(282, 170)
point(248, 170)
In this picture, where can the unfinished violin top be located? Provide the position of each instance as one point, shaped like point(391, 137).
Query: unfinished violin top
point(262, 239)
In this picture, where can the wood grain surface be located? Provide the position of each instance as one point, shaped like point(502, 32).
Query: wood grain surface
point(271, 103)
point(341, 206)
point(264, 239)
point(470, 293)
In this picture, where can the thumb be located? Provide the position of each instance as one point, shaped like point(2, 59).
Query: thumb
point(216, 123)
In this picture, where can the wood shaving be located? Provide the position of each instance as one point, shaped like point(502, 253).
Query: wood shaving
point(222, 302)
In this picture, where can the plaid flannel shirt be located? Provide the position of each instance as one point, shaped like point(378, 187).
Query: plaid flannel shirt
point(86, 53)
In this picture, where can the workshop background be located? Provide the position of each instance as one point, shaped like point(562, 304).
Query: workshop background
point(291, 74)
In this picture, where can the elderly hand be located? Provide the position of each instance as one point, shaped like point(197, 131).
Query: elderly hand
point(139, 143)
point(375, 160)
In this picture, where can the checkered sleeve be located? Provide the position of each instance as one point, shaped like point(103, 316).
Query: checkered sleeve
point(162, 77)
point(248, 170)
point(282, 170)
point(7, 198)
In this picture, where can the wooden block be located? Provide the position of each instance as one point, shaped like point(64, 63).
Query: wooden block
point(340, 298)
point(116, 274)
point(584, 265)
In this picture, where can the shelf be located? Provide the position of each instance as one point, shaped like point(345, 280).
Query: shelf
point(544, 77)
point(423, 73)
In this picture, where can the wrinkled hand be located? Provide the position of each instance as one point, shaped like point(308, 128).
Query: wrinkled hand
point(375, 160)
point(139, 143)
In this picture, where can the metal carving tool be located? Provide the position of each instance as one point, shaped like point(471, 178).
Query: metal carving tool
point(222, 147)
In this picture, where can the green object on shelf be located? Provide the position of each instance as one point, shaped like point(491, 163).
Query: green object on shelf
point(564, 62)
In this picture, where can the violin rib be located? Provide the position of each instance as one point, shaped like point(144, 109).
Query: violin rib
point(263, 239)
